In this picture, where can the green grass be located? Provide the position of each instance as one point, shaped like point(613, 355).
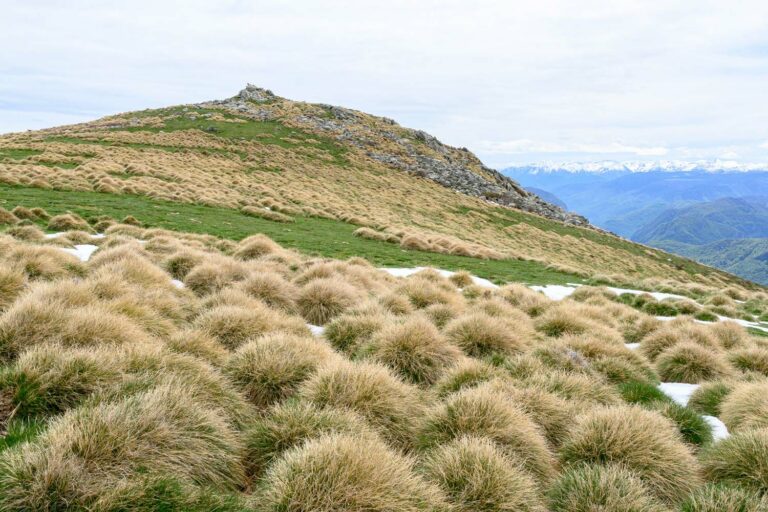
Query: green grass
point(18, 154)
point(265, 132)
point(314, 236)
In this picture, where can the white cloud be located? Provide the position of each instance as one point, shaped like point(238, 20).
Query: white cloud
point(544, 70)
point(764, 145)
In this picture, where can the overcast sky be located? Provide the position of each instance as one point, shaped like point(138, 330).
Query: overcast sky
point(514, 81)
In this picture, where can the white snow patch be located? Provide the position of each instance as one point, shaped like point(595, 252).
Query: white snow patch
point(62, 233)
point(405, 272)
point(632, 346)
point(743, 323)
point(82, 251)
point(177, 283)
point(555, 291)
point(317, 330)
point(719, 430)
point(655, 295)
point(679, 392)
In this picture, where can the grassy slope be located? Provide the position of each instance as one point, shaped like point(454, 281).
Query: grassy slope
point(316, 236)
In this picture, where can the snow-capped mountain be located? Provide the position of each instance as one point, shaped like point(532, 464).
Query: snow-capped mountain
point(641, 166)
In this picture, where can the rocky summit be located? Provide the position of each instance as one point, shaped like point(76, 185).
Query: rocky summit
point(409, 150)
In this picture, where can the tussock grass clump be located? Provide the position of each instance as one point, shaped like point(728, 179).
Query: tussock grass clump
point(180, 263)
point(609, 488)
point(31, 321)
point(323, 299)
point(49, 379)
point(724, 498)
point(372, 234)
point(198, 344)
point(91, 451)
point(483, 412)
point(209, 277)
point(234, 325)
point(12, 283)
point(561, 320)
point(479, 334)
point(255, 247)
point(580, 388)
point(22, 212)
point(348, 331)
point(7, 218)
point(423, 293)
point(729, 334)
point(395, 303)
point(477, 476)
point(266, 213)
point(520, 296)
point(44, 263)
point(271, 368)
point(392, 407)
point(26, 233)
point(342, 473)
point(272, 289)
point(292, 423)
point(739, 460)
point(642, 441)
point(440, 314)
point(691, 363)
point(752, 359)
point(709, 396)
point(414, 349)
point(674, 333)
point(462, 279)
point(553, 414)
point(67, 222)
point(467, 373)
point(637, 327)
point(746, 407)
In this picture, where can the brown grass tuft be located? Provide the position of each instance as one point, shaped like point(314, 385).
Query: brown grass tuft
point(640, 440)
point(746, 407)
point(414, 349)
point(392, 407)
point(691, 363)
point(271, 368)
point(323, 299)
point(479, 334)
point(234, 325)
point(476, 475)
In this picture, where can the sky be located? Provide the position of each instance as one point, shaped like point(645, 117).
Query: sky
point(514, 81)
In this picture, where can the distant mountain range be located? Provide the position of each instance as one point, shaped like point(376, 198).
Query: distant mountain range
point(715, 212)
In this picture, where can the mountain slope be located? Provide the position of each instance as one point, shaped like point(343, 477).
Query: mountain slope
point(282, 159)
point(745, 257)
point(703, 223)
point(622, 198)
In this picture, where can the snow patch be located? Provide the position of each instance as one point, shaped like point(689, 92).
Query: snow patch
point(719, 430)
point(679, 392)
point(177, 283)
point(82, 251)
point(405, 272)
point(632, 346)
point(554, 291)
point(317, 330)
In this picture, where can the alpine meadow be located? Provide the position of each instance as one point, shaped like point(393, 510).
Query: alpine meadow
point(263, 304)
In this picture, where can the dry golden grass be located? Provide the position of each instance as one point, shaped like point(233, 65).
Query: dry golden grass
point(340, 473)
point(476, 475)
point(414, 349)
point(392, 407)
point(692, 363)
point(739, 460)
point(271, 368)
point(479, 334)
point(746, 407)
point(608, 488)
point(642, 441)
point(159, 396)
point(483, 412)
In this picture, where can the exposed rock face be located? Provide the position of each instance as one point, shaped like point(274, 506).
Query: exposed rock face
point(412, 151)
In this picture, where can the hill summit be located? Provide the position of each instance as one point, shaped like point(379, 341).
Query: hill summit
point(284, 160)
